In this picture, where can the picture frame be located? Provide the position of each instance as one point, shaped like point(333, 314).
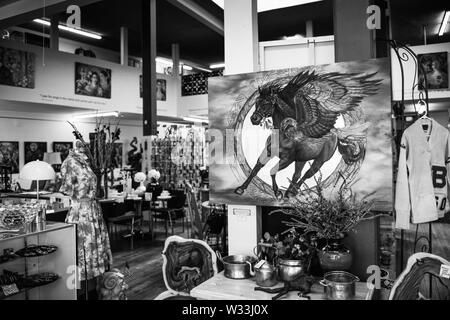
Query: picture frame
point(9, 155)
point(63, 148)
point(92, 81)
point(17, 68)
point(34, 151)
point(435, 66)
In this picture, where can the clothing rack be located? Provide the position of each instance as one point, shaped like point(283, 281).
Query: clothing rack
point(405, 54)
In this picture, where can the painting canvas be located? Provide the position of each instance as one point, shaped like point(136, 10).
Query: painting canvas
point(275, 134)
point(63, 148)
point(92, 81)
point(161, 89)
point(17, 68)
point(9, 155)
point(35, 151)
point(117, 155)
point(435, 67)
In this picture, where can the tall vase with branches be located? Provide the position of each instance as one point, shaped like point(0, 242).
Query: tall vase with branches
point(103, 139)
point(330, 218)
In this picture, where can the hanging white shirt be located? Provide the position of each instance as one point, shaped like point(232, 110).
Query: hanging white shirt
point(423, 174)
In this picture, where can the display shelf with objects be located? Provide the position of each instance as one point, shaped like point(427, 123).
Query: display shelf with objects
point(38, 262)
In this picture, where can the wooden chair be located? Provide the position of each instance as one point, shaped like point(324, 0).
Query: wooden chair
point(186, 264)
point(174, 210)
point(196, 231)
point(421, 265)
point(123, 214)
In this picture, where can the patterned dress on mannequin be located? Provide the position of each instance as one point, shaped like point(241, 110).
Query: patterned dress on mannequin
point(93, 249)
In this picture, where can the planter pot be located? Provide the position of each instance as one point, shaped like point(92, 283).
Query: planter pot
point(335, 257)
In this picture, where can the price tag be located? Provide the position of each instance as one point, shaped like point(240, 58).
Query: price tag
point(9, 290)
point(445, 271)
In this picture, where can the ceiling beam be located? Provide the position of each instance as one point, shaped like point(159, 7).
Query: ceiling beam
point(22, 11)
point(199, 13)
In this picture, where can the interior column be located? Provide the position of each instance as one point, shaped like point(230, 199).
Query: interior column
point(354, 41)
point(241, 56)
point(149, 66)
point(54, 32)
point(124, 46)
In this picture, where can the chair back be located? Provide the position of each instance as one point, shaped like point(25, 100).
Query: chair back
point(112, 209)
point(186, 264)
point(155, 189)
point(194, 214)
point(178, 199)
point(421, 266)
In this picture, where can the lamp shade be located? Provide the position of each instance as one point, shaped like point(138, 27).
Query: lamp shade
point(37, 170)
point(52, 158)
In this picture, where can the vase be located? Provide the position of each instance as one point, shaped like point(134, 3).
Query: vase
point(335, 256)
point(141, 189)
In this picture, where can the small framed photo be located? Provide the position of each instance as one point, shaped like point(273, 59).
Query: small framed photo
point(435, 67)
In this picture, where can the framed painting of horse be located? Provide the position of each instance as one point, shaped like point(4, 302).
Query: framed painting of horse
point(274, 135)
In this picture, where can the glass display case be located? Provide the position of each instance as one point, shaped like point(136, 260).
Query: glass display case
point(39, 263)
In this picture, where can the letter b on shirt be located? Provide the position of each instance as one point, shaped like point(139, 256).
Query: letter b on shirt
point(439, 176)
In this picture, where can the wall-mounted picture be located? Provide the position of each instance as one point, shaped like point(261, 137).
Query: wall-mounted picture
point(9, 155)
point(17, 68)
point(161, 89)
point(92, 81)
point(117, 155)
point(35, 151)
point(435, 67)
point(63, 148)
point(279, 133)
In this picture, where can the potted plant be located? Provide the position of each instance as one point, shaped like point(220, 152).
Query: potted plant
point(330, 219)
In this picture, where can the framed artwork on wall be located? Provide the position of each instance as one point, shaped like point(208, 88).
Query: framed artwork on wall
point(17, 68)
point(276, 134)
point(63, 148)
point(34, 151)
point(92, 81)
point(161, 89)
point(435, 66)
point(9, 155)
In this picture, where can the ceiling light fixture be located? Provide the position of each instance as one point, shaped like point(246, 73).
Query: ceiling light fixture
point(217, 65)
point(186, 67)
point(267, 5)
point(444, 23)
point(294, 37)
point(97, 115)
point(164, 61)
point(196, 120)
point(72, 30)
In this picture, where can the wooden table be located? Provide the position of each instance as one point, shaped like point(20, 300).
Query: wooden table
point(221, 288)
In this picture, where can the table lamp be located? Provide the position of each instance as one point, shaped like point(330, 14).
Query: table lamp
point(37, 171)
point(53, 158)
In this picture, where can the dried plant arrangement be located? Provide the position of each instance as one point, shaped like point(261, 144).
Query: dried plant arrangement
point(330, 217)
point(100, 153)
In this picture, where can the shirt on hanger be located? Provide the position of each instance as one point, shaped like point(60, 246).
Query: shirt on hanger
point(423, 174)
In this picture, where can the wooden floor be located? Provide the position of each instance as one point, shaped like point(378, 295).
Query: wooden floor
point(145, 262)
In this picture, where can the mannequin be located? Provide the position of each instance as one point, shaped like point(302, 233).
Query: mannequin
point(93, 248)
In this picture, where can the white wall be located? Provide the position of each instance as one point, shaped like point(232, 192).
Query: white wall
point(55, 85)
point(296, 53)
